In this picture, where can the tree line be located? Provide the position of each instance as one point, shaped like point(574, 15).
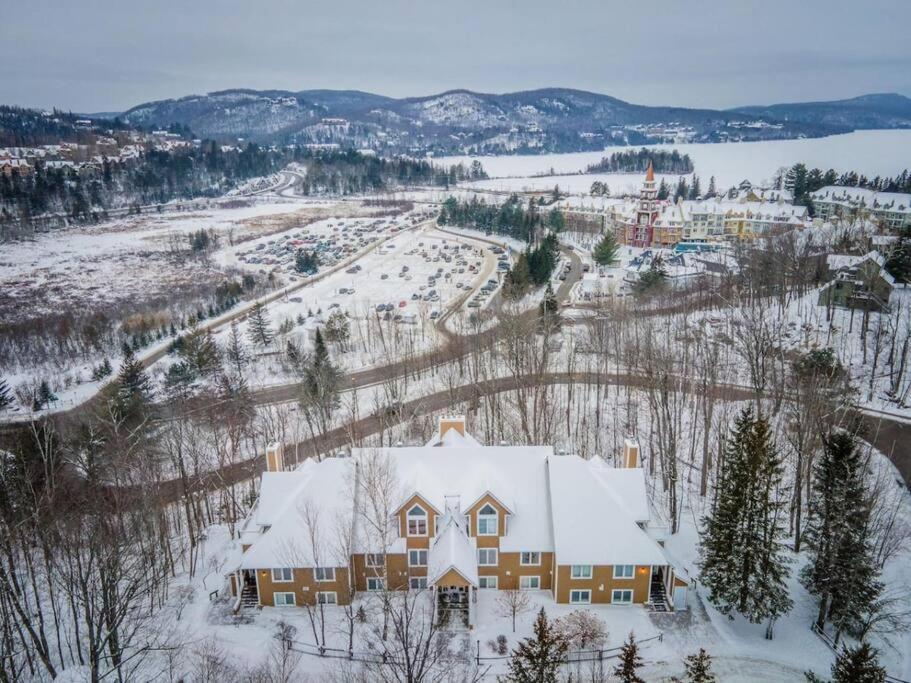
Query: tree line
point(511, 218)
point(350, 172)
point(637, 162)
point(802, 182)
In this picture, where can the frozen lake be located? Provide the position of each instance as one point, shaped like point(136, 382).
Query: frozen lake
point(871, 152)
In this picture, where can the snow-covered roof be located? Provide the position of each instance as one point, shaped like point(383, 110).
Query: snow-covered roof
point(453, 549)
point(839, 262)
point(585, 510)
point(863, 197)
point(595, 514)
point(465, 470)
point(309, 512)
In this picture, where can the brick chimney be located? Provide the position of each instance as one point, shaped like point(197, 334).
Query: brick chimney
point(275, 460)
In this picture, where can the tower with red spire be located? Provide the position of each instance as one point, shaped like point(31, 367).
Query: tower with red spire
point(646, 212)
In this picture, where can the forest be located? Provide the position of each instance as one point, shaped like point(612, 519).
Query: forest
point(637, 162)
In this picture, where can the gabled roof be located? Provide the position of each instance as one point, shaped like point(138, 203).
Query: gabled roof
point(453, 550)
point(595, 514)
point(309, 514)
point(514, 475)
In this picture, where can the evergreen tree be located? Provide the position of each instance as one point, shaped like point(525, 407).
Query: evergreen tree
point(695, 189)
point(537, 659)
point(629, 662)
point(742, 558)
point(856, 665)
point(133, 386)
point(663, 191)
point(320, 351)
point(6, 396)
point(258, 329)
point(841, 572)
point(320, 385)
point(199, 351)
point(550, 308)
point(44, 396)
point(306, 262)
point(518, 278)
point(699, 668)
point(652, 279)
point(898, 263)
point(712, 192)
point(682, 189)
point(605, 252)
point(555, 220)
point(235, 352)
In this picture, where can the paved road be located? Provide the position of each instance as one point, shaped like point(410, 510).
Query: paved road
point(888, 436)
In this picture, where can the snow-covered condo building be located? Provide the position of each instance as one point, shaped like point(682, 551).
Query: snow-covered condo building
point(891, 209)
point(651, 222)
point(454, 517)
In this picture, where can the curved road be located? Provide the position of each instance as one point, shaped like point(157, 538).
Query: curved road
point(892, 438)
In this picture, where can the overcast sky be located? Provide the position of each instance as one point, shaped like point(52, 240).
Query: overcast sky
point(108, 55)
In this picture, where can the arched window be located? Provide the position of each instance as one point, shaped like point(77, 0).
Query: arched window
point(417, 521)
point(487, 521)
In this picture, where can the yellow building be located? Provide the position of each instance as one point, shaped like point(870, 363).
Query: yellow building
point(459, 517)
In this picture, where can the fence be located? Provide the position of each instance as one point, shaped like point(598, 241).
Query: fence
point(572, 657)
point(829, 643)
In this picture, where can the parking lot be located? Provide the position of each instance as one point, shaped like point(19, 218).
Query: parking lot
point(410, 277)
point(331, 241)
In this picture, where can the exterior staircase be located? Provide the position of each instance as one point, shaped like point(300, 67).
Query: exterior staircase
point(248, 598)
point(657, 595)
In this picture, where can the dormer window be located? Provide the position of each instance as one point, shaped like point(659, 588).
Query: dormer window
point(417, 521)
point(487, 521)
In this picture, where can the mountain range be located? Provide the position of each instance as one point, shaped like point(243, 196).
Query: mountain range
point(466, 122)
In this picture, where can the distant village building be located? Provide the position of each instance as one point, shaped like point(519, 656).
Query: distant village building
point(462, 517)
point(891, 209)
point(11, 166)
point(860, 282)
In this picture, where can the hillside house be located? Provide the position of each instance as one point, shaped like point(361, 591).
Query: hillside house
point(462, 517)
point(860, 282)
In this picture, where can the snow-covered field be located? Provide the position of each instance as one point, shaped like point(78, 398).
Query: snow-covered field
point(871, 152)
point(137, 257)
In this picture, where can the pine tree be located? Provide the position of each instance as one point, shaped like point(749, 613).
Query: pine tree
point(518, 278)
point(663, 191)
point(712, 192)
point(630, 662)
point(856, 665)
point(235, 352)
point(742, 559)
point(699, 668)
point(605, 253)
point(320, 351)
point(200, 351)
point(538, 659)
point(6, 396)
point(45, 393)
point(550, 307)
point(841, 572)
point(134, 387)
point(258, 329)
